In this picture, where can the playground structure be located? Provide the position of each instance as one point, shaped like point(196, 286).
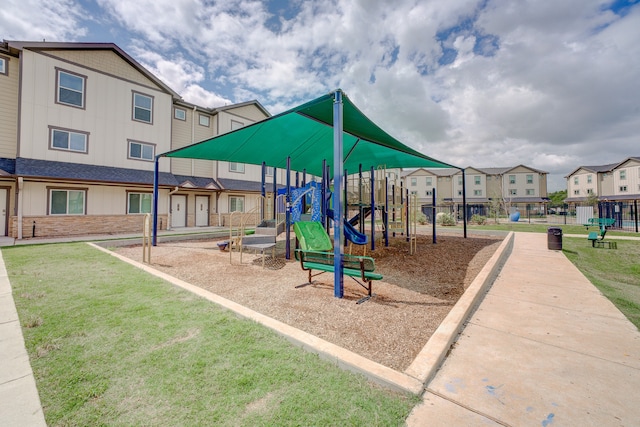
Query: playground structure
point(330, 127)
point(376, 195)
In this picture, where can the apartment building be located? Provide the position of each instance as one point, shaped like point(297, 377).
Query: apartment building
point(516, 188)
point(610, 182)
point(80, 127)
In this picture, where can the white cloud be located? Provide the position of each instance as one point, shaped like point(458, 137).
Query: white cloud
point(547, 84)
point(54, 20)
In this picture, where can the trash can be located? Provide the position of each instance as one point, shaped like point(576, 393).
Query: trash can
point(554, 238)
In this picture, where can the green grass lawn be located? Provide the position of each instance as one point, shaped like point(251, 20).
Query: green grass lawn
point(112, 345)
point(615, 272)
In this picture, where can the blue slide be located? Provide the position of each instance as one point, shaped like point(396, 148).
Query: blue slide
point(350, 232)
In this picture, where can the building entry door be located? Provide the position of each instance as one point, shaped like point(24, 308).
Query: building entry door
point(202, 211)
point(3, 211)
point(178, 210)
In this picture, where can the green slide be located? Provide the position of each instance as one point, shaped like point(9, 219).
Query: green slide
point(312, 236)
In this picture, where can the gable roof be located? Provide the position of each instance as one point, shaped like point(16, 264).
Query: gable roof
point(16, 45)
point(305, 135)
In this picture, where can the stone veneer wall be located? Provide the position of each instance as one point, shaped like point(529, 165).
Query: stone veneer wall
point(61, 226)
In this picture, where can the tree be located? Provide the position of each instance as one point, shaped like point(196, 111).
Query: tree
point(557, 198)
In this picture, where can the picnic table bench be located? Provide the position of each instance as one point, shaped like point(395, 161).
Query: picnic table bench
point(597, 238)
point(600, 222)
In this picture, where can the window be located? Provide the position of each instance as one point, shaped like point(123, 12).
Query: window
point(459, 192)
point(236, 204)
point(269, 171)
point(139, 203)
point(512, 179)
point(623, 174)
point(576, 181)
point(62, 139)
point(428, 193)
point(70, 89)
point(429, 181)
point(236, 125)
point(623, 188)
point(142, 108)
point(476, 180)
point(180, 114)
point(513, 192)
point(66, 202)
point(141, 151)
point(576, 192)
point(589, 179)
point(414, 182)
point(203, 120)
point(4, 66)
point(459, 180)
point(477, 192)
point(236, 167)
point(530, 192)
point(414, 193)
point(529, 179)
point(589, 190)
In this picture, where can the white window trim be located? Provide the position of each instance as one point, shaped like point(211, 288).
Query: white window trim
point(142, 145)
point(414, 181)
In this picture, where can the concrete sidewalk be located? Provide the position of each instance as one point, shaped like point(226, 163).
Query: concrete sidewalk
point(543, 348)
point(19, 400)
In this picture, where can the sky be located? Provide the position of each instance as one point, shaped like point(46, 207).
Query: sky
point(551, 84)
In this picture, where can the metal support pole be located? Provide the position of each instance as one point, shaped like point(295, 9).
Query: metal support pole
point(263, 190)
point(360, 207)
point(464, 204)
point(433, 215)
point(287, 221)
point(275, 194)
point(385, 212)
point(338, 226)
point(635, 210)
point(372, 180)
point(408, 220)
point(156, 175)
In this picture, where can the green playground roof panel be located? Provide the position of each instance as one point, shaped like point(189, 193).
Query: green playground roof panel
point(305, 134)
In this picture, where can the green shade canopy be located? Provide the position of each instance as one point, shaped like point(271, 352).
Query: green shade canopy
point(305, 133)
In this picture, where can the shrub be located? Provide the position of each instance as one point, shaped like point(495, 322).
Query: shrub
point(478, 219)
point(443, 218)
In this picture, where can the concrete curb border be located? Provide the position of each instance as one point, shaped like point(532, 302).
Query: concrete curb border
point(414, 379)
point(429, 360)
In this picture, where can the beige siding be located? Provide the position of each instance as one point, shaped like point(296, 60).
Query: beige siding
point(107, 116)
point(9, 108)
point(580, 189)
point(106, 61)
point(247, 113)
point(631, 170)
point(100, 199)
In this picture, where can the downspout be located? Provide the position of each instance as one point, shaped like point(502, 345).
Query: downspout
point(175, 190)
point(20, 186)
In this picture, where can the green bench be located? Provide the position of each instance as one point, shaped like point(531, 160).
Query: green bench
point(597, 239)
point(599, 222)
point(354, 266)
point(316, 253)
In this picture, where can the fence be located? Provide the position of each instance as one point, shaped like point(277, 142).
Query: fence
point(625, 214)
